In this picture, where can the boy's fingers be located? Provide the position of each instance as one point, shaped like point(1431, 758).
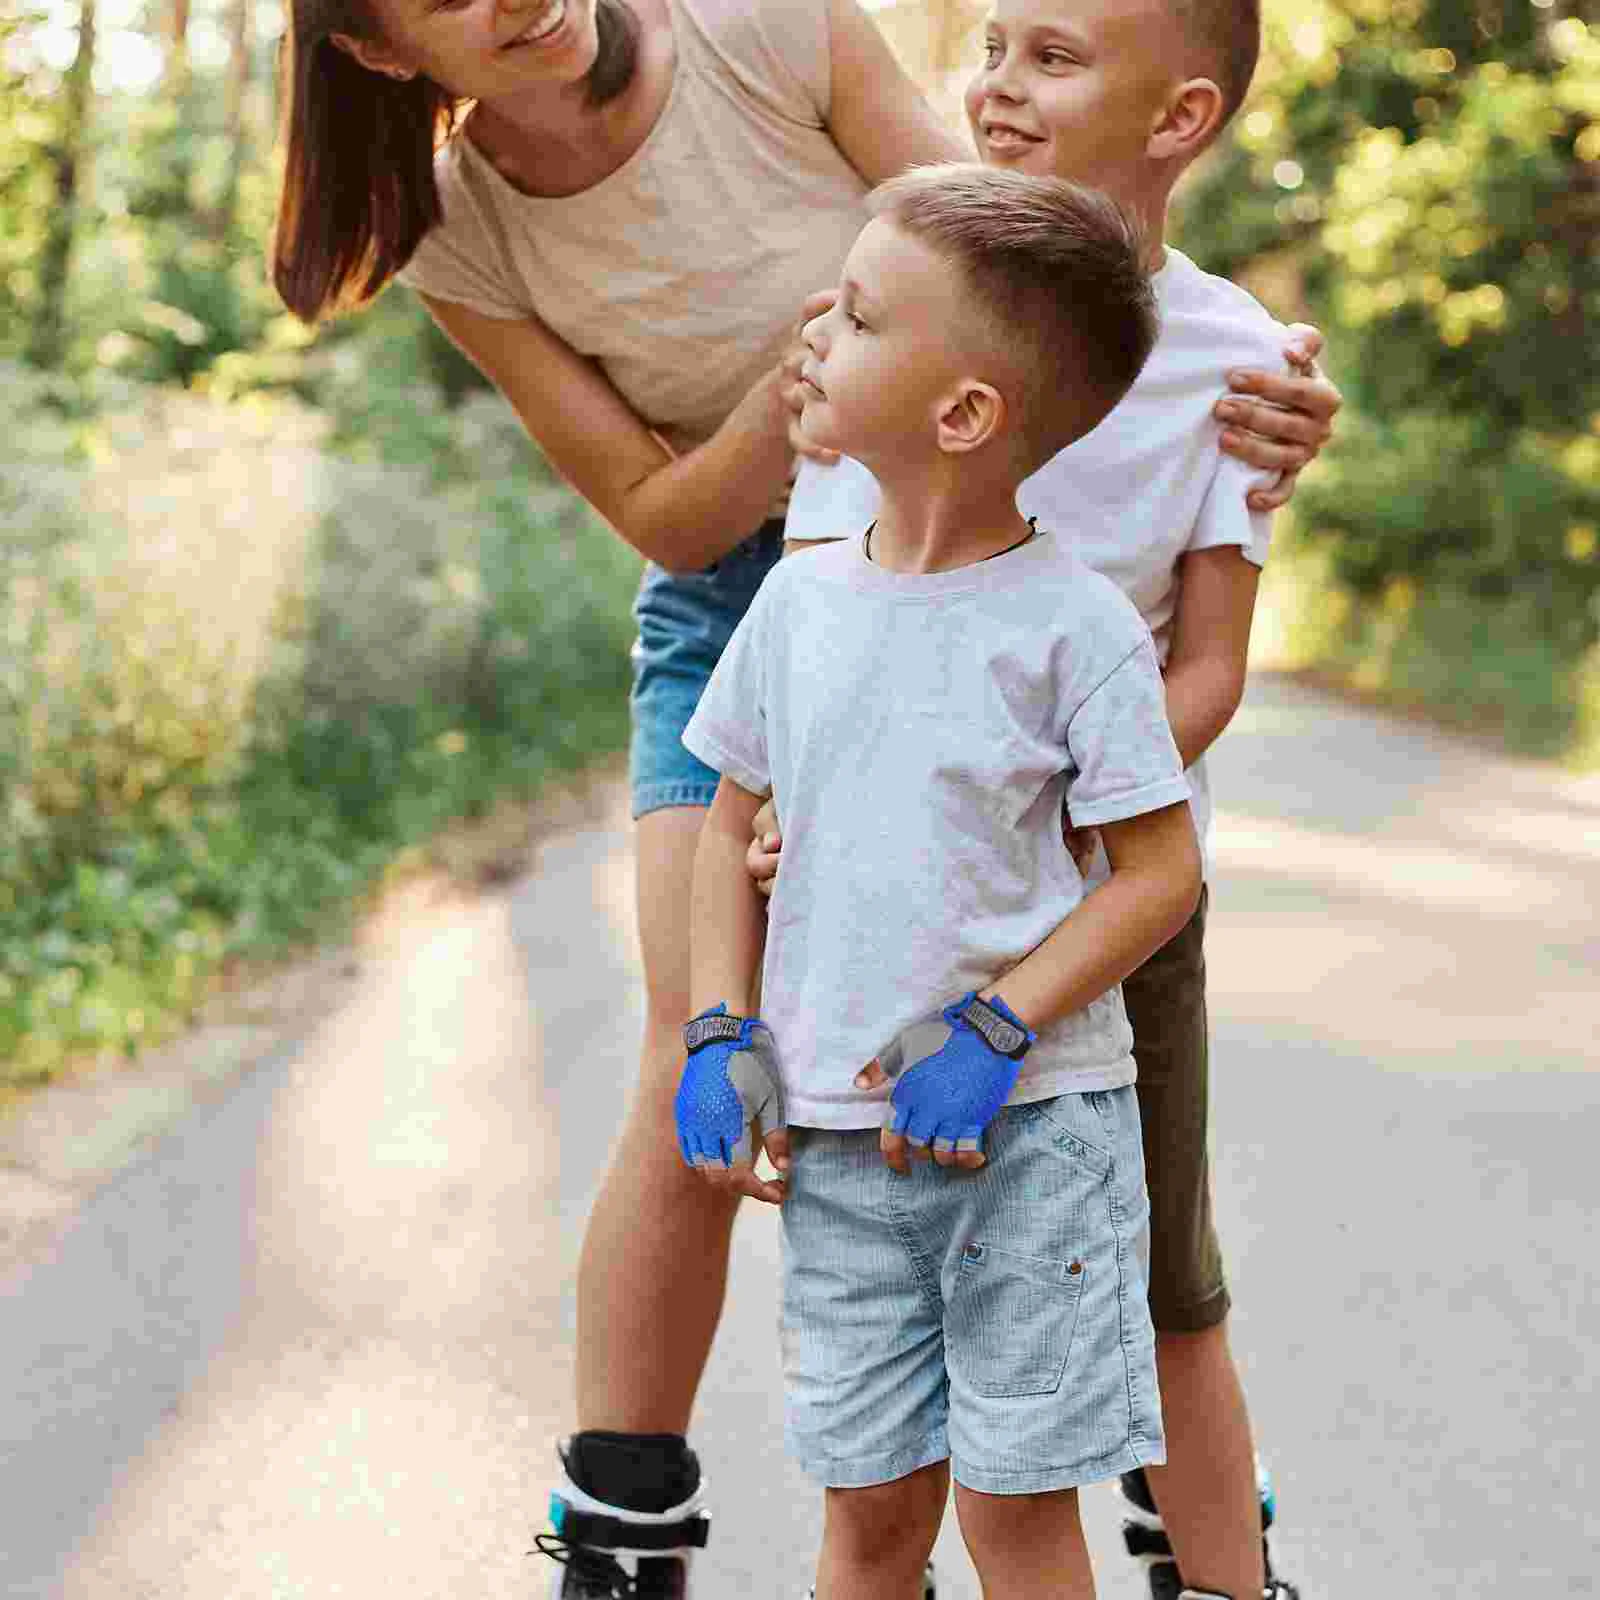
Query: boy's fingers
point(970, 1160)
point(776, 1144)
point(765, 820)
point(743, 1180)
point(871, 1076)
point(893, 1145)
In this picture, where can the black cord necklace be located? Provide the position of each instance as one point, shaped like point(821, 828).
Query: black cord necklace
point(1027, 538)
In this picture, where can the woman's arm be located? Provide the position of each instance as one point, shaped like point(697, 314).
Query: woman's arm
point(876, 114)
point(1284, 427)
point(682, 512)
point(1210, 646)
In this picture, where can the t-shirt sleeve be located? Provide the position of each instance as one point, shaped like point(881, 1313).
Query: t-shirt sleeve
point(462, 258)
point(780, 50)
point(728, 730)
point(831, 502)
point(1225, 516)
point(1124, 761)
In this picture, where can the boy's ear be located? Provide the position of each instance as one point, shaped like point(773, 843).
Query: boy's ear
point(374, 55)
point(1188, 122)
point(970, 416)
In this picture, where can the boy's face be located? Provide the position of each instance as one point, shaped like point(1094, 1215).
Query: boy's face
point(883, 356)
point(1073, 89)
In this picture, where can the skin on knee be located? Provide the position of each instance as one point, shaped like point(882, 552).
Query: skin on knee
point(1026, 1545)
point(876, 1541)
point(654, 1265)
point(1206, 1492)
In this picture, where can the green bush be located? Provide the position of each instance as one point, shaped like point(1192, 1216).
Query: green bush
point(395, 651)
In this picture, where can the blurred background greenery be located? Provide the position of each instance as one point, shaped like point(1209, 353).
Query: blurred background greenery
point(277, 605)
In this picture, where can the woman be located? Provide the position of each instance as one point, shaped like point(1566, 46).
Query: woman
point(620, 233)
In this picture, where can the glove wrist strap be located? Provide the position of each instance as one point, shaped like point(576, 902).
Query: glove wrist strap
point(1000, 1028)
point(709, 1027)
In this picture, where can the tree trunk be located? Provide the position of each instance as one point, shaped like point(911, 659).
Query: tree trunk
point(241, 44)
point(177, 75)
point(47, 338)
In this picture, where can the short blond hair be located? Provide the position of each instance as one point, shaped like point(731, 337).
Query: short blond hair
point(1056, 272)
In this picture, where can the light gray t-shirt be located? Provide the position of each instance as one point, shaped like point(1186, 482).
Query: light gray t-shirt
point(919, 733)
point(1145, 488)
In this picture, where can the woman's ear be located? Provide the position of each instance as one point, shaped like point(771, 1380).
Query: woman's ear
point(374, 55)
point(970, 416)
point(1194, 111)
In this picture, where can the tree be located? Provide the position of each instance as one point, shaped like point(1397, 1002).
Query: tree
point(1429, 171)
point(46, 344)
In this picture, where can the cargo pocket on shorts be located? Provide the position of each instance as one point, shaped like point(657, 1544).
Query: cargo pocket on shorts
point(1014, 1317)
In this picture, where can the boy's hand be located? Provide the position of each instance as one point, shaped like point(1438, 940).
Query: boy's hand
point(954, 1072)
point(794, 396)
point(766, 843)
point(1284, 427)
point(731, 1080)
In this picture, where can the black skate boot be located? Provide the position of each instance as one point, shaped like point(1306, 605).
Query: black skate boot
point(627, 1519)
point(1145, 1539)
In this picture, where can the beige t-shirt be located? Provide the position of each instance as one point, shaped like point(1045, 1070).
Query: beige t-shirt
point(682, 272)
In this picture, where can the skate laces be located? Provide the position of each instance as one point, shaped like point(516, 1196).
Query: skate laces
point(600, 1577)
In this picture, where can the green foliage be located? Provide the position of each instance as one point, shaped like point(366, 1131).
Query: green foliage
point(1430, 172)
point(179, 795)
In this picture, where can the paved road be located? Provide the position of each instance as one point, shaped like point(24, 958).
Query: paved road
point(316, 1342)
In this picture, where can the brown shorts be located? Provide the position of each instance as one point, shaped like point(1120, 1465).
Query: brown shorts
point(1166, 1000)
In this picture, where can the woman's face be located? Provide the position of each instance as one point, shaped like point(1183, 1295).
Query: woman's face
point(481, 49)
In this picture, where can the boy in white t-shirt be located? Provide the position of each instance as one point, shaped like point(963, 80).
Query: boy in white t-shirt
point(922, 701)
point(1125, 94)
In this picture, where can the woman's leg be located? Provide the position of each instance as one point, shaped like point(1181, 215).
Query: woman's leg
point(1026, 1545)
point(655, 1256)
point(876, 1541)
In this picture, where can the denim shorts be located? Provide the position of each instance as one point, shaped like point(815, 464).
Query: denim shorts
point(997, 1318)
point(685, 622)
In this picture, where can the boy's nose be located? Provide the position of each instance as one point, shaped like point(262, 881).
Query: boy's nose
point(812, 334)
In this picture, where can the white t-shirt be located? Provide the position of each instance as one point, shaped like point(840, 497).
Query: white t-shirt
point(919, 732)
point(1145, 487)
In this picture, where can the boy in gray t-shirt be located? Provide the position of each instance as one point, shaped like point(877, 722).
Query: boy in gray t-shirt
point(942, 1076)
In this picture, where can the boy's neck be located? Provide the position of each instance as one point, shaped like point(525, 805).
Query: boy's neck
point(941, 520)
point(1150, 205)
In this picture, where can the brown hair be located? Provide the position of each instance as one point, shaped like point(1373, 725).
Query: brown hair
point(1227, 35)
point(358, 188)
point(1057, 272)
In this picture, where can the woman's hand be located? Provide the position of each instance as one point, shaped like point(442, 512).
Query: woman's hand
point(794, 360)
point(766, 844)
point(1280, 421)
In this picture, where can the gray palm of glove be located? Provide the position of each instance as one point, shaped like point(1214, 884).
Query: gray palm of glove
point(730, 1080)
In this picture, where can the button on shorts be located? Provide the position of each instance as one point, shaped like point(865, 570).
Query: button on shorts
point(685, 621)
point(997, 1318)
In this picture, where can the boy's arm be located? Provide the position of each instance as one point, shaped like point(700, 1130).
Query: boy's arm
point(731, 1080)
point(726, 927)
point(1205, 669)
point(1152, 892)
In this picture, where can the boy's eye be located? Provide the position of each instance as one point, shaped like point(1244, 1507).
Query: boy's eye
point(855, 322)
point(992, 54)
point(1057, 58)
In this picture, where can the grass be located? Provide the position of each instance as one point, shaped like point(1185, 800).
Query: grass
point(247, 675)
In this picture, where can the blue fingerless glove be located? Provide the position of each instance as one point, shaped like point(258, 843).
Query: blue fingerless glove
point(730, 1080)
point(954, 1072)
